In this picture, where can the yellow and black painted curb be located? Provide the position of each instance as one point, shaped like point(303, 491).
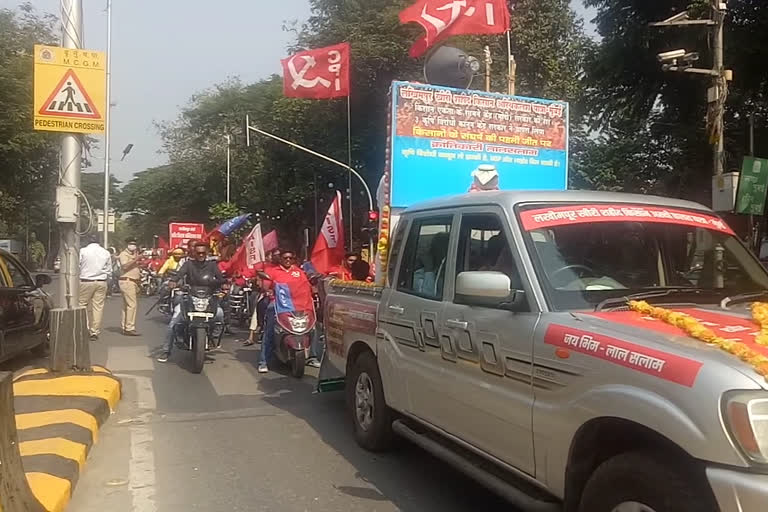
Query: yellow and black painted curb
point(57, 420)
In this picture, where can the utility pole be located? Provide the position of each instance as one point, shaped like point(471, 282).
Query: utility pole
point(71, 161)
point(69, 325)
point(488, 62)
point(108, 129)
point(681, 61)
point(719, 87)
point(511, 67)
point(229, 146)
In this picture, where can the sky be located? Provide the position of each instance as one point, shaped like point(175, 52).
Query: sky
point(164, 51)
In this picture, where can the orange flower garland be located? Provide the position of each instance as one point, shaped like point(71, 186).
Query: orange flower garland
point(760, 316)
point(364, 285)
point(702, 333)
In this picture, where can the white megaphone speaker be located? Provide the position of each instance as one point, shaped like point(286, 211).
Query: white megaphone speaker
point(450, 67)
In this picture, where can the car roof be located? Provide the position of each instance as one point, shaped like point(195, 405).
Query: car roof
point(512, 198)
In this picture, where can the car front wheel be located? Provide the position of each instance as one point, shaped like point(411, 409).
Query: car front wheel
point(639, 482)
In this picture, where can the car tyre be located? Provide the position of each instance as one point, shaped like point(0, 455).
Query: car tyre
point(640, 482)
point(371, 417)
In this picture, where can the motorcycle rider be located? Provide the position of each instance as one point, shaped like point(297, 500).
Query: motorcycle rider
point(173, 263)
point(285, 273)
point(198, 271)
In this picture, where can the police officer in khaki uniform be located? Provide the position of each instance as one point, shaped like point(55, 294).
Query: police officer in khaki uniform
point(130, 280)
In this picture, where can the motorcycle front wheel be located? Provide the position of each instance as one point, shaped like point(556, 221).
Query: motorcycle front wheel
point(198, 348)
point(298, 363)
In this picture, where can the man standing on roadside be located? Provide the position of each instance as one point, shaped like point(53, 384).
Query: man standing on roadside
point(130, 279)
point(95, 268)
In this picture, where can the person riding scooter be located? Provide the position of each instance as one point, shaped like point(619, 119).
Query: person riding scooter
point(197, 272)
point(290, 278)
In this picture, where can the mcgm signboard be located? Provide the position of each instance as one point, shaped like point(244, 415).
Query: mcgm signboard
point(448, 141)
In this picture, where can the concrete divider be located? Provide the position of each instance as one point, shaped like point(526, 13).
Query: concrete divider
point(55, 419)
point(15, 493)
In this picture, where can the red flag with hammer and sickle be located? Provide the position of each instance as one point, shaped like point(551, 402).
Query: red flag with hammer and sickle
point(318, 74)
point(445, 18)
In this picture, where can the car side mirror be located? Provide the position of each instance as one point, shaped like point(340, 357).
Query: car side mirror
point(489, 289)
point(42, 280)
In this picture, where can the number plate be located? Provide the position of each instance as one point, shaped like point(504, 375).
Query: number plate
point(199, 315)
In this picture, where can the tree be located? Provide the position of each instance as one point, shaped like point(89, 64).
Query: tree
point(28, 158)
point(280, 182)
point(627, 86)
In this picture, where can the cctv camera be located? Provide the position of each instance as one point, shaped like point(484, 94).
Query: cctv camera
point(671, 55)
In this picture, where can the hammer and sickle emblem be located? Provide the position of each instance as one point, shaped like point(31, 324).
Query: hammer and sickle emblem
point(298, 76)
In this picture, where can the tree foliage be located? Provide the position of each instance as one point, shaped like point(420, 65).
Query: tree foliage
point(28, 159)
point(644, 112)
point(280, 182)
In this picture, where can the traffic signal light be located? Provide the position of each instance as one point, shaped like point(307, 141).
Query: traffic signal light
point(373, 216)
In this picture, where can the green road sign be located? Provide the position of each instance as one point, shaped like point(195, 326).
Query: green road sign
point(753, 183)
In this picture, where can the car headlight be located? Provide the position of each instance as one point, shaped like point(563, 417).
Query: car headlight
point(746, 417)
point(298, 323)
point(200, 304)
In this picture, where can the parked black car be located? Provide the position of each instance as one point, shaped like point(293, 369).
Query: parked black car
point(24, 308)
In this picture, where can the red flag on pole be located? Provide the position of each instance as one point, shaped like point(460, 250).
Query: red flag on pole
point(328, 252)
point(249, 254)
point(317, 74)
point(270, 241)
point(445, 18)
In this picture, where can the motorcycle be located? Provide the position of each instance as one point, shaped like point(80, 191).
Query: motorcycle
point(149, 282)
point(199, 332)
point(294, 326)
point(241, 304)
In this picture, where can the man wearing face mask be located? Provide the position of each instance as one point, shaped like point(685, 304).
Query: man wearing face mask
point(130, 280)
point(198, 271)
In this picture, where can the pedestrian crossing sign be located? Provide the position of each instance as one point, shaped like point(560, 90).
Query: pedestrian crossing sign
point(70, 90)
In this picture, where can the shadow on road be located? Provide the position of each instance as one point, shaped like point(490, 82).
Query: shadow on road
point(410, 478)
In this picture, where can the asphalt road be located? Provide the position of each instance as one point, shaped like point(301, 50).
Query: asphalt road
point(233, 440)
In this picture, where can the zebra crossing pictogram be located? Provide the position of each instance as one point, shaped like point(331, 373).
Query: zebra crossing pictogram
point(70, 99)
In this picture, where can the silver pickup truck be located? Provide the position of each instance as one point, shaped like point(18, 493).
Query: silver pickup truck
point(503, 343)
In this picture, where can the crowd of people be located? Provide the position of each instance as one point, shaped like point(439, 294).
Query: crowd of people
point(194, 265)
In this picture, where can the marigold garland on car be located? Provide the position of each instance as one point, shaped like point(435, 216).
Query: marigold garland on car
point(760, 316)
point(696, 330)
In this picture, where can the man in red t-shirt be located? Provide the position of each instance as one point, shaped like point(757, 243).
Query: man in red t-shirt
point(289, 274)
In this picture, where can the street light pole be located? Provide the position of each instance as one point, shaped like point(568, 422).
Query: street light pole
point(229, 140)
point(107, 127)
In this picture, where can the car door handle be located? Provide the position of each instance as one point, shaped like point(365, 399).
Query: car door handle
point(458, 324)
point(398, 310)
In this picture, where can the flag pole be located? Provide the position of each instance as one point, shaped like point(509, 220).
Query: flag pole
point(349, 161)
point(512, 70)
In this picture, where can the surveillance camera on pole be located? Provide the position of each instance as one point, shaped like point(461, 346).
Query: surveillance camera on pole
point(671, 55)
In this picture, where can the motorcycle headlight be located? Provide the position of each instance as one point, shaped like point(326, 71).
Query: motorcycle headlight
point(746, 417)
point(200, 304)
point(299, 323)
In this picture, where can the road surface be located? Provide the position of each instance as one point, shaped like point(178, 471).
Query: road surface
point(234, 440)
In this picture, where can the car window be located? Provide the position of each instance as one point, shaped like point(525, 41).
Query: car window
point(422, 271)
point(19, 276)
point(483, 245)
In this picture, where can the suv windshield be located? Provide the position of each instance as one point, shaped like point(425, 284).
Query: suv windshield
point(585, 254)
